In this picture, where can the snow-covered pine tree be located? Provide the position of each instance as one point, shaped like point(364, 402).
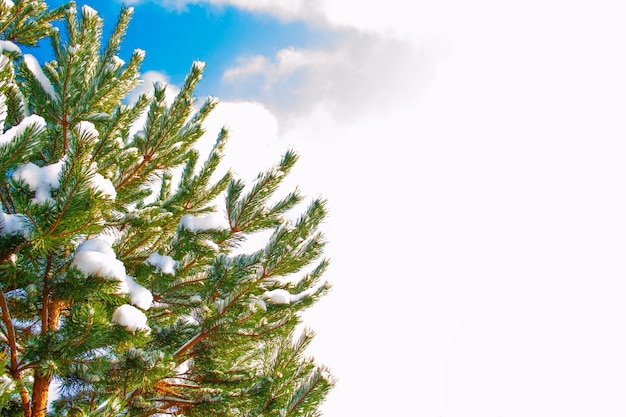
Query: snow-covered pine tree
point(128, 289)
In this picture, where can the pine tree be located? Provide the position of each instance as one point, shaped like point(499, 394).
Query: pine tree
point(127, 287)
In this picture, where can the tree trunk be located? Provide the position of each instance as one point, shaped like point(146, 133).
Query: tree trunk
point(40, 396)
point(41, 385)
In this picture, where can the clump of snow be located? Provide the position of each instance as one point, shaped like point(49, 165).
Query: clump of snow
point(210, 244)
point(41, 180)
point(130, 317)
point(110, 235)
point(204, 222)
point(163, 263)
point(278, 296)
point(140, 52)
point(104, 185)
point(7, 3)
point(37, 123)
point(189, 319)
point(254, 302)
point(118, 62)
point(14, 224)
point(89, 11)
point(139, 295)
point(281, 296)
point(35, 68)
point(199, 65)
point(95, 256)
point(87, 129)
point(9, 46)
point(195, 299)
point(96, 245)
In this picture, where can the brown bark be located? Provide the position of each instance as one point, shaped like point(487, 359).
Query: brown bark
point(41, 385)
point(40, 395)
point(25, 401)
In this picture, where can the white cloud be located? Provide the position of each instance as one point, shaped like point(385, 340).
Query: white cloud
point(148, 81)
point(368, 67)
point(146, 86)
point(253, 143)
point(362, 74)
point(391, 18)
point(283, 9)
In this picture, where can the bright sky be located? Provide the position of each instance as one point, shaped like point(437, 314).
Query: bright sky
point(473, 157)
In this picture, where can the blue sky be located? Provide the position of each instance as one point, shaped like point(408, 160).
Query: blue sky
point(216, 34)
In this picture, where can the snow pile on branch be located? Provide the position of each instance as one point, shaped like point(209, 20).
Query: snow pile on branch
point(14, 224)
point(201, 223)
point(280, 296)
point(95, 256)
point(37, 123)
point(117, 63)
point(104, 185)
point(41, 180)
point(139, 295)
point(210, 244)
point(87, 131)
point(256, 302)
point(163, 263)
point(89, 11)
point(130, 317)
point(35, 69)
point(9, 46)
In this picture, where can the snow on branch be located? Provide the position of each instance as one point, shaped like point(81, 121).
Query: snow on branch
point(103, 185)
point(35, 122)
point(14, 224)
point(41, 180)
point(89, 11)
point(139, 295)
point(10, 47)
point(163, 263)
point(202, 223)
point(281, 296)
point(130, 317)
point(95, 256)
point(35, 69)
point(88, 132)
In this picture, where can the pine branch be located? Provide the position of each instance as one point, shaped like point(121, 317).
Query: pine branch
point(8, 324)
point(13, 351)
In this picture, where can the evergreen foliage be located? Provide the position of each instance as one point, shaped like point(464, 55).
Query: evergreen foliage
point(117, 283)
